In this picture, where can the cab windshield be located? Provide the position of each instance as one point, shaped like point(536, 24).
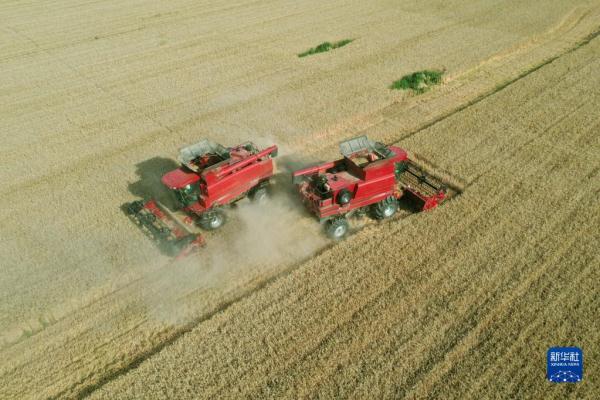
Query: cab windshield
point(187, 195)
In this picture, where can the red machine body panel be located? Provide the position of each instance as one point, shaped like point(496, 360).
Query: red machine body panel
point(232, 178)
point(179, 178)
point(370, 172)
point(210, 176)
point(217, 181)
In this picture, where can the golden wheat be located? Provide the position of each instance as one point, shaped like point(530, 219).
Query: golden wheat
point(95, 98)
point(433, 305)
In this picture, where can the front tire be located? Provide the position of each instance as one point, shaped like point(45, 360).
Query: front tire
point(337, 228)
point(386, 208)
point(212, 220)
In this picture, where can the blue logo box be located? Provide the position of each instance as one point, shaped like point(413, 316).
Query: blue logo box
point(564, 364)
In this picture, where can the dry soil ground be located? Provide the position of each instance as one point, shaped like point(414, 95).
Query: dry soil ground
point(96, 97)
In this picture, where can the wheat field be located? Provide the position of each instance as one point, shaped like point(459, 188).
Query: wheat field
point(95, 99)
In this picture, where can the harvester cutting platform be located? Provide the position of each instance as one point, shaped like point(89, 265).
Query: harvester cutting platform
point(370, 178)
point(211, 177)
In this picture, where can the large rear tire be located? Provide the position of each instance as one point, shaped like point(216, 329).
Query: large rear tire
point(212, 220)
point(259, 194)
point(386, 208)
point(337, 228)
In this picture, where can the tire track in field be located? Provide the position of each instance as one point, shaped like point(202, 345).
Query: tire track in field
point(178, 333)
point(531, 327)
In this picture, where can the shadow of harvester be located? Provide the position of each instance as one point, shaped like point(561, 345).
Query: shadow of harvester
point(149, 183)
point(149, 186)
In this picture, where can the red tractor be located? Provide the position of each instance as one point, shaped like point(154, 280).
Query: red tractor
point(370, 178)
point(210, 178)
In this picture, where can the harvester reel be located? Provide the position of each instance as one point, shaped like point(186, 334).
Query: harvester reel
point(135, 207)
point(385, 208)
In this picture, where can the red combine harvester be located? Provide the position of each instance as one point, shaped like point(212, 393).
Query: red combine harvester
point(371, 177)
point(210, 178)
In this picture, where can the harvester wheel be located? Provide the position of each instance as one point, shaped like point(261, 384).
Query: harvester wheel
point(385, 208)
point(259, 194)
point(212, 220)
point(337, 228)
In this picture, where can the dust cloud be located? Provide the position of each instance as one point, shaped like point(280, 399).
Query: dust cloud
point(258, 241)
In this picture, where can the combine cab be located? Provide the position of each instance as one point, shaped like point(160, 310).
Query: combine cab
point(370, 178)
point(211, 177)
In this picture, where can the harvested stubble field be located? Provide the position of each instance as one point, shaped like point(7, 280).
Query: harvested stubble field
point(95, 97)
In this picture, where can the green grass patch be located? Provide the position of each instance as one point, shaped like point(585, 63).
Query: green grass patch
point(325, 46)
point(26, 333)
point(419, 82)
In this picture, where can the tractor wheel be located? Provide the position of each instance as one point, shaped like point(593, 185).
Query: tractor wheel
point(212, 220)
point(337, 228)
point(259, 194)
point(385, 208)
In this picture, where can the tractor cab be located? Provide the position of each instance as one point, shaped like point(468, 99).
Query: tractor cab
point(184, 184)
point(186, 181)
